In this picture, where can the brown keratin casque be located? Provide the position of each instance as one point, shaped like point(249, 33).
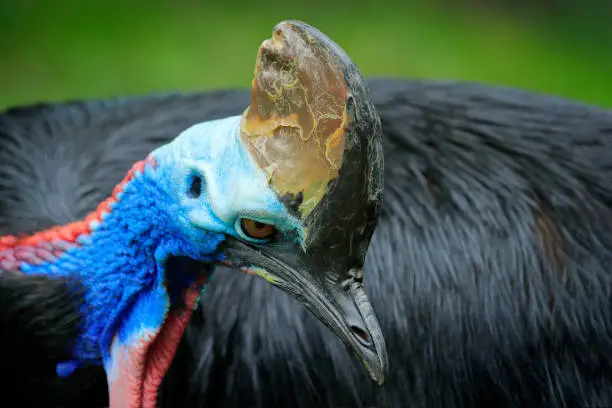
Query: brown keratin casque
point(295, 125)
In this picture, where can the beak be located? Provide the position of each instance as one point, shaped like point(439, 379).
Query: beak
point(342, 305)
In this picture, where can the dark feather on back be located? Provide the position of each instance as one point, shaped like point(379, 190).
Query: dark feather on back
point(489, 270)
point(39, 319)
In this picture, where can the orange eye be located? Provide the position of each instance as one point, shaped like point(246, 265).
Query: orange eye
point(257, 230)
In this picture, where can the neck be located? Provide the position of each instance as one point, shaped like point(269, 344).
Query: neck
point(117, 252)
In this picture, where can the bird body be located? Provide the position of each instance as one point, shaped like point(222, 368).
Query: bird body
point(489, 267)
point(478, 308)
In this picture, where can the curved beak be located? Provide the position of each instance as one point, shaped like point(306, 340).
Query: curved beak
point(342, 305)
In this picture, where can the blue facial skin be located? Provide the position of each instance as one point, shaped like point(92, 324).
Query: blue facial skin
point(233, 185)
point(122, 262)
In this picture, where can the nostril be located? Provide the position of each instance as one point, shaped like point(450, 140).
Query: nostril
point(361, 335)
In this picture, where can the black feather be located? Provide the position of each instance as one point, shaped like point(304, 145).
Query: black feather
point(39, 319)
point(489, 271)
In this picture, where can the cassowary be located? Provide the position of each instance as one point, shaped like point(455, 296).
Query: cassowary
point(289, 191)
point(489, 269)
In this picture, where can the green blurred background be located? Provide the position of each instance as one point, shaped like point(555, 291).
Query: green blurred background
point(66, 49)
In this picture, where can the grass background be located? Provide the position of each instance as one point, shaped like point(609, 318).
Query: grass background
point(66, 49)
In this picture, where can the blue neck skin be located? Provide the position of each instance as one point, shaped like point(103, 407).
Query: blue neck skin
point(122, 266)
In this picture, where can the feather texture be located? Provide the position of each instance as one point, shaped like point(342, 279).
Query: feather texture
point(489, 270)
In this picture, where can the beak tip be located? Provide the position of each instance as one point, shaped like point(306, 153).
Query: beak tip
point(381, 376)
point(378, 377)
point(379, 369)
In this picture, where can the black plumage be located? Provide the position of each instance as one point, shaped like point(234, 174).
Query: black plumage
point(489, 270)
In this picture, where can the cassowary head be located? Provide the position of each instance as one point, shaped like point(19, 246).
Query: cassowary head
point(289, 191)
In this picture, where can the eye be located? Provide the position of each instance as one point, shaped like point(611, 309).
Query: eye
point(195, 187)
point(257, 230)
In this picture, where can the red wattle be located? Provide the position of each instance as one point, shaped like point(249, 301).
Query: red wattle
point(140, 369)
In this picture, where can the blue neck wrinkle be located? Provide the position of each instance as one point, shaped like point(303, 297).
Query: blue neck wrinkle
point(124, 258)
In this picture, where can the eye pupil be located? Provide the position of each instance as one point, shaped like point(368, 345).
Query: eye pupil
point(256, 229)
point(195, 187)
point(260, 225)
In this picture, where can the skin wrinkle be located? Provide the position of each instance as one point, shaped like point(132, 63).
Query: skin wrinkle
point(461, 287)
